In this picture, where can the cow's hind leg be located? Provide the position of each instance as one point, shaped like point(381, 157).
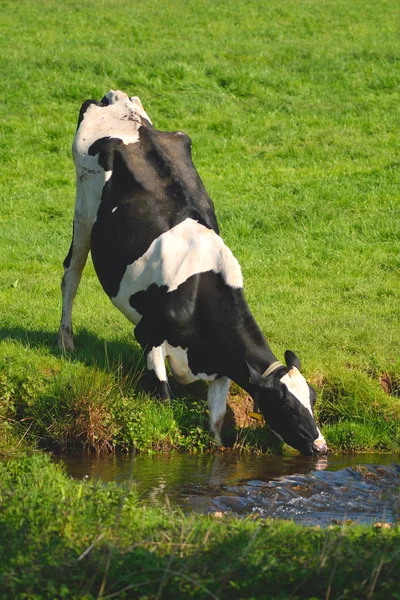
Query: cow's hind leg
point(73, 267)
point(217, 397)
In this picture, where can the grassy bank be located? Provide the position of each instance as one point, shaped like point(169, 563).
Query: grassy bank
point(62, 405)
point(293, 111)
point(68, 539)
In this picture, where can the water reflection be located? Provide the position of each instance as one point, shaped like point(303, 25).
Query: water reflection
point(308, 490)
point(203, 469)
point(210, 469)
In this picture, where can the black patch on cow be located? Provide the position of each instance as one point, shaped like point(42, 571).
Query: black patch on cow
point(313, 396)
point(67, 260)
point(162, 390)
point(105, 148)
point(206, 316)
point(105, 101)
point(154, 186)
point(153, 386)
point(145, 121)
point(152, 297)
point(292, 360)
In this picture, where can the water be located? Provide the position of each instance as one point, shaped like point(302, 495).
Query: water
point(364, 488)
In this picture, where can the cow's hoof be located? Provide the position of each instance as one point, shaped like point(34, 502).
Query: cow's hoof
point(163, 391)
point(65, 341)
point(217, 440)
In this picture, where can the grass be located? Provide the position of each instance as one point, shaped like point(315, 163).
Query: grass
point(69, 539)
point(68, 407)
point(293, 112)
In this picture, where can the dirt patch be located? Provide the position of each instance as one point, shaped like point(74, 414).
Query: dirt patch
point(317, 380)
point(240, 405)
point(390, 384)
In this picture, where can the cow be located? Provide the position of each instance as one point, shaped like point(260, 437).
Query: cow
point(143, 212)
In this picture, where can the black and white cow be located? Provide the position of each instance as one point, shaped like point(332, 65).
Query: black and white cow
point(143, 211)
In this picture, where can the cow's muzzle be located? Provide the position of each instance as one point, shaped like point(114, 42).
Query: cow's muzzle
point(319, 447)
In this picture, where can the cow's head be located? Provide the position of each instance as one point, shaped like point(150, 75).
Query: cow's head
point(286, 401)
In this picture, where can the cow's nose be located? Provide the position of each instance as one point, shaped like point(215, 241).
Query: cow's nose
point(320, 447)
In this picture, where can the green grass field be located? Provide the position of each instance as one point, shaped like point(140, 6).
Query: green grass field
point(293, 109)
point(293, 112)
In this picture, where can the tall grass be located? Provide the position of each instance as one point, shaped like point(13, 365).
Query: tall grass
point(68, 407)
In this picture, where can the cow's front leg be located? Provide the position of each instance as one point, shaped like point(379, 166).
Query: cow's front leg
point(73, 267)
point(217, 397)
point(156, 364)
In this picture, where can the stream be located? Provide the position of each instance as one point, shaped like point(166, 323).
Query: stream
point(364, 488)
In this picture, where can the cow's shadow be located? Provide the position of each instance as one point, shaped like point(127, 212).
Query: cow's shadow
point(90, 349)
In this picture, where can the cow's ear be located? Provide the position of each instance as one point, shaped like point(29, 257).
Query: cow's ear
point(254, 376)
point(292, 360)
point(257, 379)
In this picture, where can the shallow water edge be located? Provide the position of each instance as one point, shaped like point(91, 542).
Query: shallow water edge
point(364, 488)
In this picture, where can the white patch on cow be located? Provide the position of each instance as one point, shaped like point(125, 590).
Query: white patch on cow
point(120, 119)
point(179, 363)
point(156, 362)
point(298, 386)
point(185, 250)
point(114, 209)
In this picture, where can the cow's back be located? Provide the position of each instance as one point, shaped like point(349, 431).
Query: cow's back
point(152, 188)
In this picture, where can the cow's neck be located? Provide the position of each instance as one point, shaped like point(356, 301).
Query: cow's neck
point(244, 344)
